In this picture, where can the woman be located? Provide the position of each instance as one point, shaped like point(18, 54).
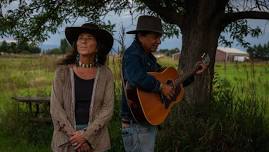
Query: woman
point(82, 96)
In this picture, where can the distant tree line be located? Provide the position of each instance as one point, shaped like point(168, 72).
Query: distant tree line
point(20, 47)
point(169, 52)
point(259, 51)
point(64, 47)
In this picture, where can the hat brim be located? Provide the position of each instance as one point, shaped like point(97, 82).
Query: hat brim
point(102, 36)
point(144, 30)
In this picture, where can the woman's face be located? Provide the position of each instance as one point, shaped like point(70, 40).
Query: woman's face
point(86, 44)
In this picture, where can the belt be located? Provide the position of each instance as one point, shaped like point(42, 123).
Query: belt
point(125, 121)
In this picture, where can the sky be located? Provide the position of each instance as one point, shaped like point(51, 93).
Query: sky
point(126, 21)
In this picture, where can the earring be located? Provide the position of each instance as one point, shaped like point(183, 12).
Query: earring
point(77, 58)
point(96, 59)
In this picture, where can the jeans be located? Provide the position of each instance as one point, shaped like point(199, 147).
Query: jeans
point(139, 138)
point(81, 126)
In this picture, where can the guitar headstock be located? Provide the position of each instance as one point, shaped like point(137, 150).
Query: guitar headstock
point(205, 59)
point(199, 67)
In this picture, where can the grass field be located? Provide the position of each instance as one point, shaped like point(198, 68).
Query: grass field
point(247, 77)
point(23, 76)
point(32, 76)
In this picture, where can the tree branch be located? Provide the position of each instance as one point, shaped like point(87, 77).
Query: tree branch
point(232, 17)
point(168, 13)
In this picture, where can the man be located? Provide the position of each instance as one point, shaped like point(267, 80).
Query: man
point(137, 61)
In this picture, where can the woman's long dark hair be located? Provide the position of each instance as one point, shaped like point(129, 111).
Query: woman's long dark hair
point(70, 58)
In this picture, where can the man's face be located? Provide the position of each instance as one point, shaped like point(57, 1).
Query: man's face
point(150, 41)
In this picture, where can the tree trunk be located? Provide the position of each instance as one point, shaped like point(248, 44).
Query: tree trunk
point(198, 38)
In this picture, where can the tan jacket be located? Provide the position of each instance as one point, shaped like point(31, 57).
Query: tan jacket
point(62, 109)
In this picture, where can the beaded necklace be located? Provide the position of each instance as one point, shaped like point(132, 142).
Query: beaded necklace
point(91, 65)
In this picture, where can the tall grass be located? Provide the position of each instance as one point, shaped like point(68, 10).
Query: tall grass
point(246, 78)
point(115, 124)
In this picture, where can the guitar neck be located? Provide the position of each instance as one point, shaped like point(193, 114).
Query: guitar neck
point(205, 59)
point(186, 76)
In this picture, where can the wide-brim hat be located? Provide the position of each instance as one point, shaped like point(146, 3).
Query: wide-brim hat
point(147, 23)
point(102, 36)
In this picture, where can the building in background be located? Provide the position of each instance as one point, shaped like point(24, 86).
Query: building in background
point(231, 55)
point(158, 55)
point(176, 56)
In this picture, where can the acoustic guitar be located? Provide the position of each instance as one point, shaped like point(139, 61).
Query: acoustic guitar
point(153, 108)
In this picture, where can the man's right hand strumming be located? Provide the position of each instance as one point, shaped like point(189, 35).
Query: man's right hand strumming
point(167, 91)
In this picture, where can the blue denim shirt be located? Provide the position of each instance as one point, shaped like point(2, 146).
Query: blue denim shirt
point(135, 65)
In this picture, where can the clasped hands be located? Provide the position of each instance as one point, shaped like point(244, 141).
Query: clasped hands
point(79, 143)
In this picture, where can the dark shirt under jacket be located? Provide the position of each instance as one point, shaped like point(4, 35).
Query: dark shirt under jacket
point(135, 65)
point(83, 94)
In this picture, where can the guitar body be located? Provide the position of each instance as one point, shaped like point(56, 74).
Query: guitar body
point(148, 107)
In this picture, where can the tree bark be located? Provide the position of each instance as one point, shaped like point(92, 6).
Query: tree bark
point(200, 33)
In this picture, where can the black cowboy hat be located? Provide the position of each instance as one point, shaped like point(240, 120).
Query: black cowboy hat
point(148, 24)
point(102, 36)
